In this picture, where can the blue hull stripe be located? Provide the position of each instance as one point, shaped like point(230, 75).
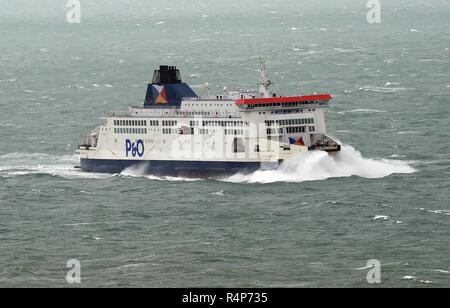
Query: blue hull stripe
point(175, 168)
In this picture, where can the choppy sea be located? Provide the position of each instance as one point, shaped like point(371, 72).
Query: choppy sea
point(315, 223)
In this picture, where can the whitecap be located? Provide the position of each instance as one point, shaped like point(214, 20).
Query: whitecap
point(366, 110)
point(218, 193)
point(311, 52)
point(445, 212)
point(87, 192)
point(141, 170)
point(382, 89)
point(319, 165)
point(343, 50)
point(397, 156)
point(19, 164)
point(384, 217)
point(130, 265)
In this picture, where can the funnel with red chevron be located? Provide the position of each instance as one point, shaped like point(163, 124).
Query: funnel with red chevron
point(159, 92)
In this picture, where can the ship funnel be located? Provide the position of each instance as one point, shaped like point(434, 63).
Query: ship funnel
point(166, 88)
point(166, 74)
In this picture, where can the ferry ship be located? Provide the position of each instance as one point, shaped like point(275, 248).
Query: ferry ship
point(179, 133)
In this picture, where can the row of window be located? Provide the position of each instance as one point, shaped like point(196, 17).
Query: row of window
point(191, 113)
point(129, 130)
point(170, 131)
point(234, 131)
point(143, 123)
point(130, 122)
point(169, 123)
point(295, 129)
point(223, 123)
point(274, 131)
point(299, 129)
point(290, 122)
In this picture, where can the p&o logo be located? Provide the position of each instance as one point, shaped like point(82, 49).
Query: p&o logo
point(135, 148)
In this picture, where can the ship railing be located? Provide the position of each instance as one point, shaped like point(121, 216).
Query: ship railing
point(170, 115)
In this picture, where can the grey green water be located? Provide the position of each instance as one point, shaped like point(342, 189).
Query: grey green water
point(314, 224)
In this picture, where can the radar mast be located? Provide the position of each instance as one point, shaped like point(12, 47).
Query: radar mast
point(264, 81)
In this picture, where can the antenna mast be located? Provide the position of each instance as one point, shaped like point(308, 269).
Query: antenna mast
point(264, 81)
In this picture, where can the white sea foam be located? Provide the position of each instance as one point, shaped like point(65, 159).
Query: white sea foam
point(172, 178)
point(319, 165)
point(442, 271)
point(445, 212)
point(65, 171)
point(140, 171)
point(442, 212)
point(19, 164)
point(135, 170)
point(307, 166)
point(397, 156)
point(367, 111)
point(417, 279)
point(382, 89)
point(219, 193)
point(384, 217)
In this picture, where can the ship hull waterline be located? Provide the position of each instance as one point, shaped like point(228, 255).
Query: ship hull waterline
point(175, 168)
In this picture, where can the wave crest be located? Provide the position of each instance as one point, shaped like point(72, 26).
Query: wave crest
point(313, 166)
